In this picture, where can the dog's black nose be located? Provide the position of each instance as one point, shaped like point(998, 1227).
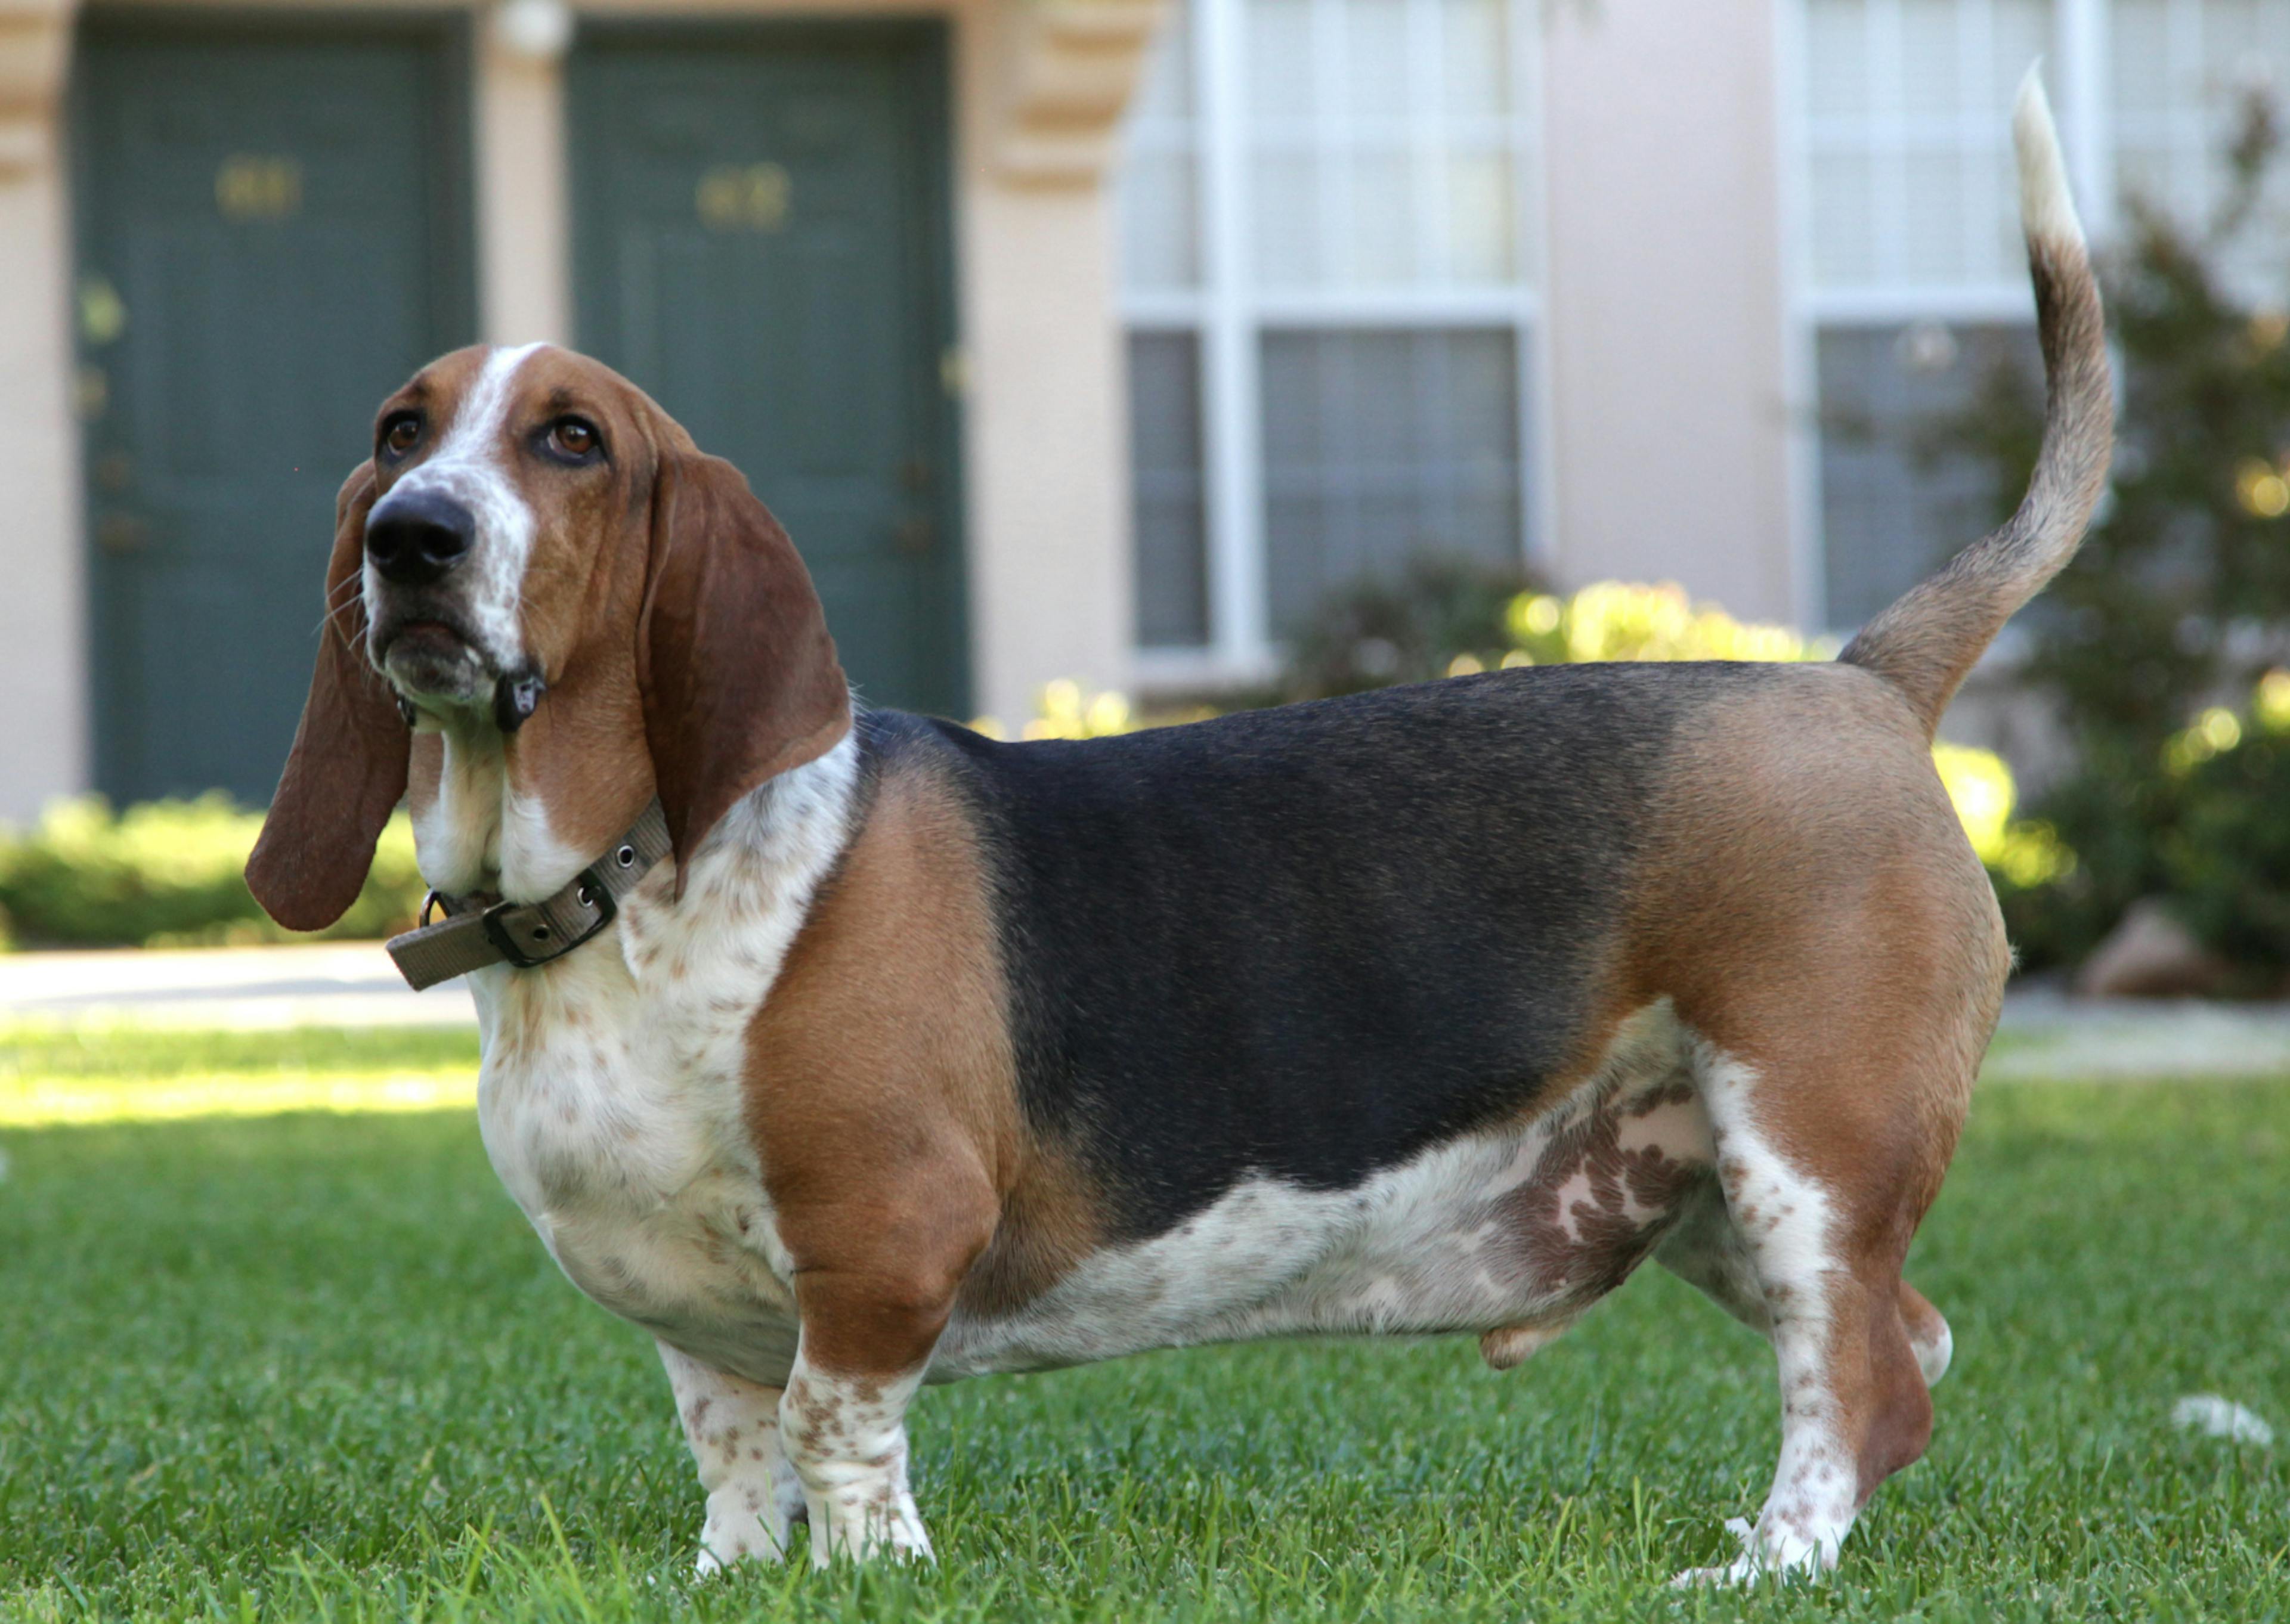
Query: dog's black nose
point(415, 537)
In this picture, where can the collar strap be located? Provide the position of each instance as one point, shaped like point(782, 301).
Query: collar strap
point(478, 930)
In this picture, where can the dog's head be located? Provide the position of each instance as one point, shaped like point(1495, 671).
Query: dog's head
point(537, 553)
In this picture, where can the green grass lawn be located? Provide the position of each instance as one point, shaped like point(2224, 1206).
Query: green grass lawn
point(315, 1365)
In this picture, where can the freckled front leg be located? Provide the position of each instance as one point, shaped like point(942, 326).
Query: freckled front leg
point(864, 1350)
point(733, 1428)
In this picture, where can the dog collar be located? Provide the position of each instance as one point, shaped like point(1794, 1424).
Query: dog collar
point(480, 929)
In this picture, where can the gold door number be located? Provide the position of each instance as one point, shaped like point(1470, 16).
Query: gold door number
point(745, 198)
point(248, 187)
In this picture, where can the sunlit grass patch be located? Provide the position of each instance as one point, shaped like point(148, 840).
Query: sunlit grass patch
point(54, 1075)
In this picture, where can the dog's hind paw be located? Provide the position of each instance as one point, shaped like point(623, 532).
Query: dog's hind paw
point(1779, 1556)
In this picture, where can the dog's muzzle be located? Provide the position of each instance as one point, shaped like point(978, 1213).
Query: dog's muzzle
point(415, 541)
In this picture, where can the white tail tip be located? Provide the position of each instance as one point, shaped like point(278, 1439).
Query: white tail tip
point(2047, 206)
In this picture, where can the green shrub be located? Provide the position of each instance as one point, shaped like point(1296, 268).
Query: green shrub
point(1407, 626)
point(167, 873)
point(2228, 852)
point(2107, 820)
point(1614, 620)
point(2203, 826)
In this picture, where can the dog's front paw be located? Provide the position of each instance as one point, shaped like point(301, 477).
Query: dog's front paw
point(1776, 1553)
point(744, 1524)
point(867, 1527)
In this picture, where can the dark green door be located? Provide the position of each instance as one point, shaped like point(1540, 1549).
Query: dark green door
point(272, 237)
point(761, 221)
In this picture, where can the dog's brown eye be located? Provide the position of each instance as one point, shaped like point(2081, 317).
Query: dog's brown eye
point(572, 437)
point(401, 435)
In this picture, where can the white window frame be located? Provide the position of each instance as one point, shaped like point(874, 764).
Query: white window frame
point(2076, 76)
point(1229, 313)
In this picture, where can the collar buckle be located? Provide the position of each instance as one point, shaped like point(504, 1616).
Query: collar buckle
point(481, 929)
point(531, 934)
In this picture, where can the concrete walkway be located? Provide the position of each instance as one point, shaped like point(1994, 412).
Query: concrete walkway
point(328, 984)
point(354, 984)
point(2045, 1034)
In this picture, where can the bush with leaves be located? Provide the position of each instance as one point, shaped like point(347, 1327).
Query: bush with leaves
point(1614, 620)
point(2182, 587)
point(167, 873)
point(1410, 626)
point(2228, 851)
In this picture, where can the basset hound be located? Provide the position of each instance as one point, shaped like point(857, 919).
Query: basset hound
point(847, 1051)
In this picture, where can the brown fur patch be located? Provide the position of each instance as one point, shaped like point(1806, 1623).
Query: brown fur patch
point(582, 752)
point(1814, 910)
point(883, 1090)
point(1896, 1419)
point(347, 769)
point(1509, 1347)
point(1579, 1246)
point(439, 390)
point(1811, 905)
point(1049, 1224)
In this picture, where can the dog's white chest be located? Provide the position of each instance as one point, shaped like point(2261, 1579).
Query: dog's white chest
point(632, 1162)
point(612, 1096)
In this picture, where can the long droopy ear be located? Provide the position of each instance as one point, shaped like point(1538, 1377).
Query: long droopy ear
point(739, 675)
point(346, 771)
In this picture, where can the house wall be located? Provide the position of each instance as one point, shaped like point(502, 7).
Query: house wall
point(1666, 405)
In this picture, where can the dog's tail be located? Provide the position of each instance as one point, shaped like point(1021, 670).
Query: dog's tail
point(1925, 641)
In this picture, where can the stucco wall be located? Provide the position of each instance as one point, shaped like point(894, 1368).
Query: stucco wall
point(1665, 298)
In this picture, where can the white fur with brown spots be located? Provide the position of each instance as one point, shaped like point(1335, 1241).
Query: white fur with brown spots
point(754, 1497)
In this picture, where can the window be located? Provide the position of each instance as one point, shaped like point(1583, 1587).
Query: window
point(1166, 490)
point(2178, 68)
point(1889, 516)
point(1325, 279)
point(1377, 444)
point(1913, 282)
point(1916, 280)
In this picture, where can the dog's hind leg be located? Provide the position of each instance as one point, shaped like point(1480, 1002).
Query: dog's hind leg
point(1928, 1334)
point(1708, 1253)
point(1816, 1258)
